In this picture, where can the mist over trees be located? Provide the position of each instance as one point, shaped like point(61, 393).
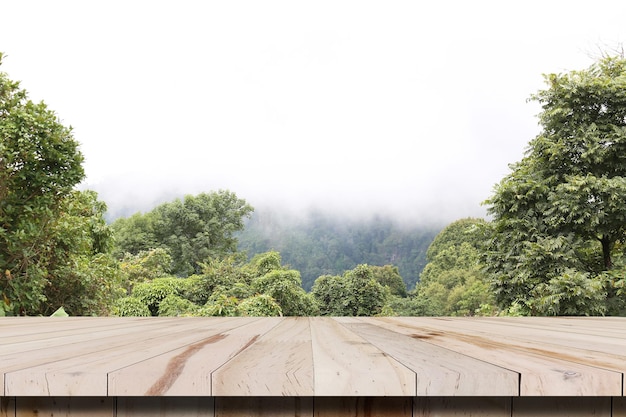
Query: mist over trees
point(230, 280)
point(554, 244)
point(191, 229)
point(319, 244)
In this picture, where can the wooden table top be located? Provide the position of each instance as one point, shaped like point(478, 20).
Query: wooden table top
point(312, 356)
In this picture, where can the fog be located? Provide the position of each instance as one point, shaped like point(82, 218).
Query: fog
point(411, 109)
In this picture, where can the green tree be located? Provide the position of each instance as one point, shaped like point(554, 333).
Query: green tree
point(356, 293)
point(559, 215)
point(220, 305)
point(319, 244)
point(144, 266)
point(130, 307)
point(174, 306)
point(152, 293)
point(332, 294)
point(83, 276)
point(453, 281)
point(285, 287)
point(261, 305)
point(227, 286)
point(192, 230)
point(389, 276)
point(134, 235)
point(227, 271)
point(53, 241)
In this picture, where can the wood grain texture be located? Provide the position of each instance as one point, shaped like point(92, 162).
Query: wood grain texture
point(540, 375)
point(264, 407)
point(462, 407)
point(347, 365)
point(452, 373)
point(279, 363)
point(186, 371)
point(561, 407)
point(165, 406)
point(618, 407)
point(363, 407)
point(65, 407)
point(7, 406)
point(312, 357)
point(312, 406)
point(85, 371)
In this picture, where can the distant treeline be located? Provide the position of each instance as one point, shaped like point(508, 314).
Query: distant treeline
point(555, 243)
point(325, 244)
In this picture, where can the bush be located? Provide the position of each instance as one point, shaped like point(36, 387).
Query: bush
point(175, 306)
point(152, 293)
point(130, 307)
point(261, 305)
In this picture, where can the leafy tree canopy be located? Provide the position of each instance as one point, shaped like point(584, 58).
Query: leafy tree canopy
point(192, 230)
point(356, 293)
point(228, 286)
point(53, 241)
point(559, 218)
point(453, 281)
point(321, 244)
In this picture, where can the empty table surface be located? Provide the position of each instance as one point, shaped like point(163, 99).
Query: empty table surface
point(312, 356)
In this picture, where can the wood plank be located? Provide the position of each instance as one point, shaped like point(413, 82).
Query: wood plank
point(462, 407)
point(440, 372)
point(165, 406)
point(263, 406)
point(75, 339)
point(544, 331)
point(7, 406)
point(18, 356)
point(320, 356)
point(186, 371)
point(347, 365)
point(542, 337)
point(279, 363)
point(363, 406)
point(618, 407)
point(58, 328)
point(561, 406)
point(540, 375)
point(65, 407)
point(86, 374)
point(588, 325)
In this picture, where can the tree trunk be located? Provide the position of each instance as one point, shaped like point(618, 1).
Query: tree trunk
point(607, 245)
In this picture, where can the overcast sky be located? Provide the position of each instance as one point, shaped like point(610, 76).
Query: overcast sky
point(414, 108)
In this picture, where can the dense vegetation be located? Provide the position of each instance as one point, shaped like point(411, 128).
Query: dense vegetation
point(322, 244)
point(54, 243)
point(559, 218)
point(554, 244)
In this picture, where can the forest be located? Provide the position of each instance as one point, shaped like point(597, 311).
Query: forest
point(322, 244)
point(553, 242)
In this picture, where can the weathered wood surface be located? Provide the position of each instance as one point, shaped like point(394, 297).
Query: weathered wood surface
point(312, 406)
point(313, 357)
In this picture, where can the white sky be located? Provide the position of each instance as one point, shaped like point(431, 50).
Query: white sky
point(410, 107)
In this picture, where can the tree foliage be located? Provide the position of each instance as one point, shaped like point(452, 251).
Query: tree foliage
point(144, 266)
point(191, 229)
point(560, 215)
point(389, 276)
point(453, 281)
point(355, 293)
point(322, 244)
point(83, 276)
point(54, 242)
point(227, 286)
